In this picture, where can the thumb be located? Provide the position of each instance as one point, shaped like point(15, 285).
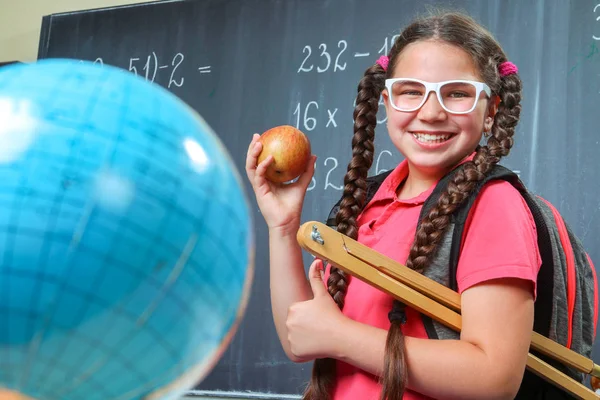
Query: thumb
point(308, 173)
point(315, 277)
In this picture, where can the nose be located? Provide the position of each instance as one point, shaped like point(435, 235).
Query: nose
point(432, 110)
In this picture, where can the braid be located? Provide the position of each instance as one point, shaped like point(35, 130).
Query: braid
point(352, 204)
point(434, 224)
point(355, 181)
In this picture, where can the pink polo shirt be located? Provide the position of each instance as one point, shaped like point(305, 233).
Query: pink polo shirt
point(499, 220)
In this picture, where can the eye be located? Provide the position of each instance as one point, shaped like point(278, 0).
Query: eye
point(404, 88)
point(411, 92)
point(457, 94)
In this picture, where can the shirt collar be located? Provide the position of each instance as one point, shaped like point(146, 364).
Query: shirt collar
point(387, 190)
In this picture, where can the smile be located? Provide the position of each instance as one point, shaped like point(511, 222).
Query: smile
point(432, 138)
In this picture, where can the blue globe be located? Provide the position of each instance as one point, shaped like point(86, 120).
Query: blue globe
point(126, 236)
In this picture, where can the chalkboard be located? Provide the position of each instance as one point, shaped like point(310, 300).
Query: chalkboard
point(248, 65)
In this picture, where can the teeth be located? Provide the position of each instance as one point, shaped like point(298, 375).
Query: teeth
point(427, 138)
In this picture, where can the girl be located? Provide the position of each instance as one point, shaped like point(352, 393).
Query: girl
point(445, 82)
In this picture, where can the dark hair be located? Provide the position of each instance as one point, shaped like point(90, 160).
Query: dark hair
point(461, 31)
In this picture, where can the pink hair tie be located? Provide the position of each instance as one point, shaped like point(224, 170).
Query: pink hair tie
point(383, 61)
point(507, 68)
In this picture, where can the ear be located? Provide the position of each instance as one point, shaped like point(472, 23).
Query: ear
point(386, 97)
point(491, 112)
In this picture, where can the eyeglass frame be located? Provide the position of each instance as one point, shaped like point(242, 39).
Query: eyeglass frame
point(435, 87)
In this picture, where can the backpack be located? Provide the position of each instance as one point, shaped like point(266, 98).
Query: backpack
point(566, 308)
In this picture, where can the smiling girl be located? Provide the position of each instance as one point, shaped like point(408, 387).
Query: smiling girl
point(446, 83)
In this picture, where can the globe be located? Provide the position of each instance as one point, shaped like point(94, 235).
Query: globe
point(126, 234)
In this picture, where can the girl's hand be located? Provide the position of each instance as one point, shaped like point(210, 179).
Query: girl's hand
point(280, 204)
point(313, 325)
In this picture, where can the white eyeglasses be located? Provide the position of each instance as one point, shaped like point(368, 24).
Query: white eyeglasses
point(456, 97)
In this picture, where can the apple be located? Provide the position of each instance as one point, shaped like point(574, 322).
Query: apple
point(290, 149)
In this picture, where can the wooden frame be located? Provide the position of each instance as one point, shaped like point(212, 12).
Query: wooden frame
point(432, 299)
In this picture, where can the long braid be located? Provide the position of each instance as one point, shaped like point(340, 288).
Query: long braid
point(355, 181)
point(352, 204)
point(433, 226)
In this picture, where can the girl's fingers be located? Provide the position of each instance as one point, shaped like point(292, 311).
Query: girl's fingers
point(261, 169)
point(255, 138)
point(253, 152)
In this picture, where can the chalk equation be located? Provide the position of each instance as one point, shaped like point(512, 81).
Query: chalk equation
point(327, 57)
point(152, 66)
point(597, 11)
point(307, 116)
point(310, 115)
point(332, 174)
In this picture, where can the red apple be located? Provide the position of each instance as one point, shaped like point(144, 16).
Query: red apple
point(290, 149)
